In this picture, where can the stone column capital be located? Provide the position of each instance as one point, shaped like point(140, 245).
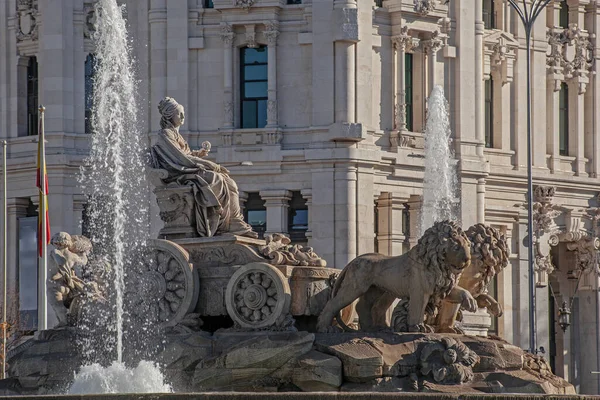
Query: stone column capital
point(227, 34)
point(276, 196)
point(271, 32)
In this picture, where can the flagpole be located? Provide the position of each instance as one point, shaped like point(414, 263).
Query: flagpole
point(43, 270)
point(4, 258)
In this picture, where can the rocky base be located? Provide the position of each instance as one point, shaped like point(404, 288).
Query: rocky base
point(303, 361)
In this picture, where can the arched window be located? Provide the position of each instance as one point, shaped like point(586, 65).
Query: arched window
point(90, 69)
point(563, 120)
point(32, 96)
point(254, 83)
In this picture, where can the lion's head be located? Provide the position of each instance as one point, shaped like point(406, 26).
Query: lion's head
point(489, 250)
point(445, 251)
point(446, 246)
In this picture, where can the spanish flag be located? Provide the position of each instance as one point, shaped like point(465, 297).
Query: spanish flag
point(42, 184)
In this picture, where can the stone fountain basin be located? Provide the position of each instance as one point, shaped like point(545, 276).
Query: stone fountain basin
point(293, 362)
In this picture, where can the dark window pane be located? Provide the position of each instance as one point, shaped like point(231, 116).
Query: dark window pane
point(208, 4)
point(249, 114)
point(563, 120)
point(255, 72)
point(563, 17)
point(261, 119)
point(489, 110)
point(32, 96)
point(300, 219)
point(254, 90)
point(90, 68)
point(408, 85)
point(258, 55)
point(488, 14)
point(257, 218)
point(294, 1)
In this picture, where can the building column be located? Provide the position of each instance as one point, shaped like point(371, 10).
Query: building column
point(307, 195)
point(157, 19)
point(552, 122)
point(344, 82)
point(576, 126)
point(16, 208)
point(79, 202)
point(227, 35)
point(414, 216)
point(345, 191)
point(390, 238)
point(277, 203)
point(481, 200)
point(432, 46)
point(478, 76)
point(271, 33)
point(399, 43)
point(243, 197)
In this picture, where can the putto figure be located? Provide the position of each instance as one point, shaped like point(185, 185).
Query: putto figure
point(216, 197)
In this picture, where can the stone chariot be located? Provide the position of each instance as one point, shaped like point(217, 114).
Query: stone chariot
point(259, 284)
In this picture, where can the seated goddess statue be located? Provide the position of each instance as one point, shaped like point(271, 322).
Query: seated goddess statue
point(216, 197)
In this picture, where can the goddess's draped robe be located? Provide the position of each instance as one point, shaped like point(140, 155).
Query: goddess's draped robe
point(216, 195)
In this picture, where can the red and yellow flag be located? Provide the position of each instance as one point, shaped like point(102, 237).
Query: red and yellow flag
point(42, 184)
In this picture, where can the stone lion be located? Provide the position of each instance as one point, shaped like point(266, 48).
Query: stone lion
point(426, 274)
point(489, 256)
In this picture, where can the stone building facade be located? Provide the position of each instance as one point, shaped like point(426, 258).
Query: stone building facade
point(318, 107)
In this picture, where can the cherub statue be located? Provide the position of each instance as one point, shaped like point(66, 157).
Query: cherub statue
point(67, 262)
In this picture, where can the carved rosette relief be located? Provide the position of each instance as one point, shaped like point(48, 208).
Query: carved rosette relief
point(570, 57)
point(27, 27)
point(424, 7)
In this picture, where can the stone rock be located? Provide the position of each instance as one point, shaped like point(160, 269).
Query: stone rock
point(185, 351)
point(360, 360)
point(386, 384)
point(245, 365)
point(317, 372)
point(494, 355)
point(399, 359)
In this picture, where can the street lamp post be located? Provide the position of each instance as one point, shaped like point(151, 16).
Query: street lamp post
point(528, 14)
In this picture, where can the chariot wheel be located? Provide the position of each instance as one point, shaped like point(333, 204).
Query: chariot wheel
point(167, 287)
point(257, 295)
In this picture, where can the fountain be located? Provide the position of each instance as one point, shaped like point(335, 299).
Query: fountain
point(440, 194)
point(221, 310)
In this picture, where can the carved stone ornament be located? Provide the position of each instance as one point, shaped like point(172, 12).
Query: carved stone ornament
point(271, 32)
point(27, 27)
point(73, 279)
point(245, 4)
point(404, 41)
point(424, 7)
point(447, 361)
point(227, 34)
point(435, 43)
point(251, 37)
point(258, 296)
point(586, 255)
point(89, 26)
point(279, 252)
point(400, 111)
point(166, 289)
point(228, 111)
point(571, 56)
point(545, 231)
point(500, 53)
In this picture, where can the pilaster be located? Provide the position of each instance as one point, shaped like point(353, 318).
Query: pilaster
point(277, 203)
point(227, 35)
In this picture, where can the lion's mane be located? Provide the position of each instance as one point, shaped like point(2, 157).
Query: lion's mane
point(489, 251)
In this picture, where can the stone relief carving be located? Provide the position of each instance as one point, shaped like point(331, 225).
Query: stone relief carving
point(500, 52)
point(448, 361)
point(571, 56)
point(271, 32)
point(72, 281)
point(544, 231)
point(245, 4)
point(279, 252)
point(251, 37)
point(435, 43)
point(89, 13)
point(400, 111)
point(404, 41)
point(424, 7)
point(227, 34)
point(228, 111)
point(27, 26)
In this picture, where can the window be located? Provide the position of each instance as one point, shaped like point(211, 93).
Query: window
point(90, 69)
point(28, 274)
point(563, 120)
point(378, 3)
point(255, 214)
point(489, 113)
point(254, 87)
point(298, 218)
point(408, 87)
point(208, 4)
point(294, 1)
point(32, 97)
point(563, 15)
point(489, 19)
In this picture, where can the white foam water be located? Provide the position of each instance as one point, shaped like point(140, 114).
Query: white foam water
point(440, 195)
point(95, 379)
